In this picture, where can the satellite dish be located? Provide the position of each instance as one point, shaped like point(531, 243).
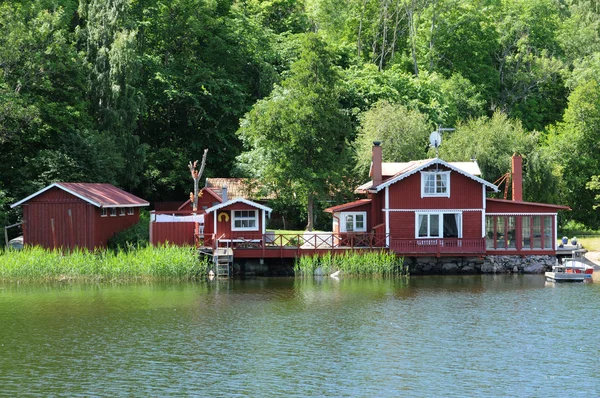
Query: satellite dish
point(435, 139)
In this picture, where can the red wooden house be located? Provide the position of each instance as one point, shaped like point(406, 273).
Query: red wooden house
point(77, 214)
point(432, 207)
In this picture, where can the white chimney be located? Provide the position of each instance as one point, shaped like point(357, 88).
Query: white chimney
point(224, 194)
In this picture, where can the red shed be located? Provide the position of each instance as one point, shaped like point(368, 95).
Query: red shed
point(77, 214)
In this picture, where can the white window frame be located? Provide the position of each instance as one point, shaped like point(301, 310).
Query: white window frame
point(130, 211)
point(353, 214)
point(121, 211)
point(425, 174)
point(234, 218)
point(113, 211)
point(103, 212)
point(440, 215)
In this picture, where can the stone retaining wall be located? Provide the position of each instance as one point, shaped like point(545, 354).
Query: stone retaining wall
point(485, 265)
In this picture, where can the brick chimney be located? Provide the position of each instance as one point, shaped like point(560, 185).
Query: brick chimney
point(376, 166)
point(517, 178)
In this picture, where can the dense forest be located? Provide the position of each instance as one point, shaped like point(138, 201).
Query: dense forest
point(294, 92)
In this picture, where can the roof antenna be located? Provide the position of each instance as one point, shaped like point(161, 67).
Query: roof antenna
point(435, 140)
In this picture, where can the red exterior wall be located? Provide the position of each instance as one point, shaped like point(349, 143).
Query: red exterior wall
point(177, 233)
point(54, 204)
point(106, 227)
point(87, 229)
point(465, 193)
point(472, 224)
point(402, 225)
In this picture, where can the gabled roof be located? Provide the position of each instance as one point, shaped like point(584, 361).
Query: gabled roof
point(413, 167)
point(347, 206)
point(99, 195)
point(239, 188)
point(238, 200)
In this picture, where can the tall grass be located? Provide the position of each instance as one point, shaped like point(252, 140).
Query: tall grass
point(352, 263)
point(163, 262)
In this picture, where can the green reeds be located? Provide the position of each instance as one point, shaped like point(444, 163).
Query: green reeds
point(163, 262)
point(351, 263)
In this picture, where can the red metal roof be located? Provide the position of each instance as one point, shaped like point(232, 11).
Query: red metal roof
point(520, 203)
point(346, 206)
point(97, 194)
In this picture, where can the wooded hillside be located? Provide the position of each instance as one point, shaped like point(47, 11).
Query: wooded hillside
point(295, 91)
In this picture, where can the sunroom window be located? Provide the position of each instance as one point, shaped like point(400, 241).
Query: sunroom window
point(354, 222)
point(245, 220)
point(435, 183)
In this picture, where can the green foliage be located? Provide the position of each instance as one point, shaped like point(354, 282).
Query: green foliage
point(404, 135)
point(444, 101)
point(137, 236)
point(493, 141)
point(358, 263)
point(298, 137)
point(574, 143)
point(165, 262)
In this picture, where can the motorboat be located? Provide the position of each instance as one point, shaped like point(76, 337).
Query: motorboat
point(571, 270)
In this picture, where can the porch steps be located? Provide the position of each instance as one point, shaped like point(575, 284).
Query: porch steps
point(223, 260)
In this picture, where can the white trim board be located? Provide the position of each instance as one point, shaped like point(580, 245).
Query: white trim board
point(431, 210)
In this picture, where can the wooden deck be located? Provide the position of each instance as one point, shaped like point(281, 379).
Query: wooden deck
point(297, 245)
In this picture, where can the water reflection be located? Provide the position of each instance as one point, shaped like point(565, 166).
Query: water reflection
point(423, 336)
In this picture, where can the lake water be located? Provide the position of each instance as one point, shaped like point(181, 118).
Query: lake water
point(454, 336)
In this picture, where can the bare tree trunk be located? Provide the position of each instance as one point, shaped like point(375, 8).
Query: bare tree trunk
point(196, 175)
point(410, 13)
point(396, 24)
point(310, 208)
point(431, 36)
point(362, 15)
point(384, 19)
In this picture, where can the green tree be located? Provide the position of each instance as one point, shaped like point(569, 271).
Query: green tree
point(298, 136)
point(403, 133)
point(574, 144)
point(493, 141)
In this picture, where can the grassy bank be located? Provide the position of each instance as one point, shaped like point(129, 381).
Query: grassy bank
point(351, 263)
point(164, 262)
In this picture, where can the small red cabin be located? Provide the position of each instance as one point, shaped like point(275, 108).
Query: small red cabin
point(237, 219)
point(82, 215)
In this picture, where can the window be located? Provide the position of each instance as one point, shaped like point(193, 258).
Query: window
point(548, 235)
point(103, 212)
point(526, 232)
point(245, 220)
point(439, 225)
point(121, 211)
point(113, 212)
point(435, 183)
point(354, 222)
point(130, 211)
